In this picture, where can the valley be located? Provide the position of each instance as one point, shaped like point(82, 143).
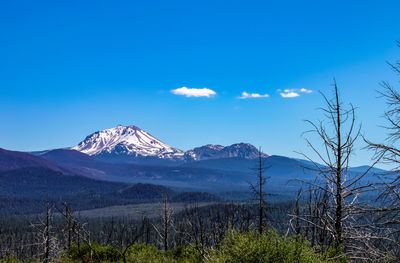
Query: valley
point(127, 166)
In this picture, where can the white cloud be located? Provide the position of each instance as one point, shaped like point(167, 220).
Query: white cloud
point(191, 92)
point(246, 95)
point(290, 94)
point(305, 90)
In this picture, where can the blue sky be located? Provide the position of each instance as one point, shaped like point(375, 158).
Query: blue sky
point(69, 68)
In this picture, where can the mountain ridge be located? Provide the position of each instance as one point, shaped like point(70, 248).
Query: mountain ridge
point(209, 167)
point(132, 144)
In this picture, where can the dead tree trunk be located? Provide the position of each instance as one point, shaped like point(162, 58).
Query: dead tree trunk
point(335, 192)
point(388, 152)
point(338, 168)
point(257, 190)
point(47, 243)
point(47, 234)
point(260, 196)
point(166, 221)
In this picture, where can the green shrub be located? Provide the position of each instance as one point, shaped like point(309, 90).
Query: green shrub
point(137, 253)
point(99, 253)
point(336, 253)
point(253, 247)
point(236, 247)
point(10, 259)
point(145, 253)
point(185, 254)
point(141, 253)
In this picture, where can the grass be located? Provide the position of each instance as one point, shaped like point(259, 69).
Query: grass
point(135, 211)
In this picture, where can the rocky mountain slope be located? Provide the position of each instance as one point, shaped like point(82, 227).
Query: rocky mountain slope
point(126, 140)
point(210, 151)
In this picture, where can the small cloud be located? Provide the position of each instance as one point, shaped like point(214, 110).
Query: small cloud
point(290, 94)
point(246, 95)
point(191, 92)
point(305, 90)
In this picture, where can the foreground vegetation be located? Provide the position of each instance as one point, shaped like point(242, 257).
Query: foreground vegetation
point(235, 247)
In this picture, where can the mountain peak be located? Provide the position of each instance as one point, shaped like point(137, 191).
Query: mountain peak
point(126, 140)
point(211, 151)
point(130, 142)
point(129, 127)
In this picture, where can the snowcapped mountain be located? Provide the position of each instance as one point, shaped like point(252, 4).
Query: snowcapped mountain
point(211, 151)
point(126, 140)
point(132, 144)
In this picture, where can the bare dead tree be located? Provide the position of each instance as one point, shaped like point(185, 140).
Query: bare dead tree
point(68, 229)
point(297, 226)
point(388, 152)
point(217, 227)
point(78, 233)
point(166, 218)
point(46, 239)
point(83, 237)
point(336, 207)
point(196, 230)
point(70, 225)
point(257, 190)
point(181, 233)
point(147, 230)
point(127, 236)
point(315, 227)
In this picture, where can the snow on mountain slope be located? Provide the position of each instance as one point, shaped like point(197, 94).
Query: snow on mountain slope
point(126, 143)
point(126, 140)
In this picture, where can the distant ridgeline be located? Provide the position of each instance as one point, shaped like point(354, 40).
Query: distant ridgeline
point(126, 165)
